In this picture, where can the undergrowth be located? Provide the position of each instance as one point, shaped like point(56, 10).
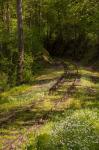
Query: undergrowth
point(73, 124)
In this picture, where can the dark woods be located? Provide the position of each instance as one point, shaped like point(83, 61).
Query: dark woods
point(64, 28)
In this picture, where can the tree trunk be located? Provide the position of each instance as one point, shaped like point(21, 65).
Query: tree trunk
point(20, 42)
point(8, 17)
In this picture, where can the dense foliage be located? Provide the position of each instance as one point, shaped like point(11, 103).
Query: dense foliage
point(63, 27)
point(49, 74)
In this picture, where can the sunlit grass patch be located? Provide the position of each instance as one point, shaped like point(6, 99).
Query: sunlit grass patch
point(85, 71)
point(76, 131)
point(51, 110)
point(16, 90)
point(22, 95)
point(7, 135)
point(47, 105)
point(50, 73)
point(85, 81)
point(75, 104)
point(77, 127)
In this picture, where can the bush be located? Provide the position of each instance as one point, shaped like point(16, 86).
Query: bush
point(3, 81)
point(28, 68)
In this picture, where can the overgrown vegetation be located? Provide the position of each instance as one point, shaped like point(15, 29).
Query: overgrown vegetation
point(49, 74)
point(64, 28)
point(51, 123)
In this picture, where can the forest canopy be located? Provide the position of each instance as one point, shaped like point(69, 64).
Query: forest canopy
point(67, 28)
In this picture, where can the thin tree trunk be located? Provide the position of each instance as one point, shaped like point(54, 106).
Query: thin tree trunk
point(8, 17)
point(20, 42)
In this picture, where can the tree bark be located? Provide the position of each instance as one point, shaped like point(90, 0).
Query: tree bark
point(20, 43)
point(8, 17)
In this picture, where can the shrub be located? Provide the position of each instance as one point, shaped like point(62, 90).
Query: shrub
point(3, 81)
point(28, 68)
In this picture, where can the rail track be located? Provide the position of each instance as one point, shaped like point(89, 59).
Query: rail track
point(22, 138)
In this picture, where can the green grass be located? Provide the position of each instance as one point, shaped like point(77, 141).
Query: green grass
point(77, 127)
point(81, 108)
point(20, 97)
